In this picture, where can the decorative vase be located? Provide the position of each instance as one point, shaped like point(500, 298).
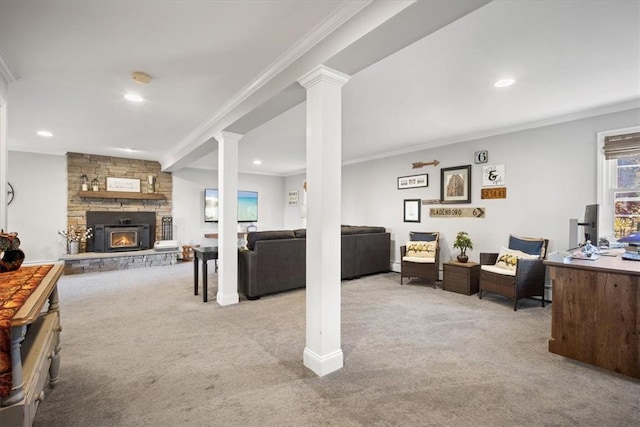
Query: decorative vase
point(74, 247)
point(463, 258)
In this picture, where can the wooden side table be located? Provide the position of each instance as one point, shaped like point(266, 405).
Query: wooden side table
point(463, 278)
point(187, 252)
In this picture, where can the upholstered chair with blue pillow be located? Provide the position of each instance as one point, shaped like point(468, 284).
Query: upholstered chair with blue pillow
point(515, 272)
point(420, 256)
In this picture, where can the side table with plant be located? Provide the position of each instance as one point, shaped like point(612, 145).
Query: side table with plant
point(463, 242)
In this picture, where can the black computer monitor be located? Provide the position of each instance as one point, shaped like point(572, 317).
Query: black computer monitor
point(590, 224)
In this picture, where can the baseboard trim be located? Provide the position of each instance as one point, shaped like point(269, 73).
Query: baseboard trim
point(323, 365)
point(228, 299)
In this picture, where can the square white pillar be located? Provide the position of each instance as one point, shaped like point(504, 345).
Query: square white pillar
point(227, 218)
point(323, 353)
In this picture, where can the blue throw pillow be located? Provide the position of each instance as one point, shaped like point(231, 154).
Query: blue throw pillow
point(416, 236)
point(528, 246)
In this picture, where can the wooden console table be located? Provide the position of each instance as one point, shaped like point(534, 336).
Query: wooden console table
point(35, 350)
point(595, 316)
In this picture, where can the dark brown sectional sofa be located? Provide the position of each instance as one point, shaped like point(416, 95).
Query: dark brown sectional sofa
point(275, 261)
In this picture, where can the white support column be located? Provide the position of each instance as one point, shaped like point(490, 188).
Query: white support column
point(228, 218)
point(4, 152)
point(323, 352)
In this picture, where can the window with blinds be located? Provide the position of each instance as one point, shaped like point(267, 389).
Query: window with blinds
point(624, 150)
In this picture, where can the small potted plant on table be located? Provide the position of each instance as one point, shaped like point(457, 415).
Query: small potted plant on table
point(463, 242)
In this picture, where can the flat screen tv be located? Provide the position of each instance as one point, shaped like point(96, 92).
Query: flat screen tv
point(247, 205)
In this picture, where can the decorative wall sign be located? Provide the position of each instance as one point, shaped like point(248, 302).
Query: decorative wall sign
point(481, 156)
point(123, 184)
point(413, 181)
point(293, 198)
point(457, 212)
point(418, 165)
point(455, 184)
point(493, 176)
point(430, 202)
point(412, 210)
point(493, 193)
point(129, 185)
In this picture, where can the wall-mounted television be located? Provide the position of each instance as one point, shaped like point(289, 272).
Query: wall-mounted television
point(247, 205)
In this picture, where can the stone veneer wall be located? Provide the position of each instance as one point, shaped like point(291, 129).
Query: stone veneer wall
point(101, 167)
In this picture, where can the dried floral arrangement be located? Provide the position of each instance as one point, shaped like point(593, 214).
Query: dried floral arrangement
point(73, 234)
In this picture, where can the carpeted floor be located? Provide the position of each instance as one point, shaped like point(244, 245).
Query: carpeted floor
point(139, 349)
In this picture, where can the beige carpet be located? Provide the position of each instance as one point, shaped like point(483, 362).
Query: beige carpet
point(139, 349)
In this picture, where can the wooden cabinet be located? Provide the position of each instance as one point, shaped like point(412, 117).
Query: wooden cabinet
point(463, 278)
point(35, 351)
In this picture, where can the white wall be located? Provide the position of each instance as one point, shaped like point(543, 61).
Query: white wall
point(188, 203)
point(39, 208)
point(550, 177)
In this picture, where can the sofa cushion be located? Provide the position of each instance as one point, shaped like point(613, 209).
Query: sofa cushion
point(498, 270)
point(508, 258)
point(528, 245)
point(256, 236)
point(361, 229)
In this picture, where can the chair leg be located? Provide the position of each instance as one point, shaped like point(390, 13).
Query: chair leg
point(543, 300)
point(515, 305)
point(479, 293)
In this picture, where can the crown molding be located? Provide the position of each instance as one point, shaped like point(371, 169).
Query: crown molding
point(341, 15)
point(5, 70)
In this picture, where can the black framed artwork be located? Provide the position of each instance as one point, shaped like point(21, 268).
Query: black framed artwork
point(455, 184)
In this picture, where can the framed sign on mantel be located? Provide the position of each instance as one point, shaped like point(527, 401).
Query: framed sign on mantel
point(128, 185)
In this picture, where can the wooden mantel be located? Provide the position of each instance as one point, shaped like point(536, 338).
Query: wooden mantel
point(120, 195)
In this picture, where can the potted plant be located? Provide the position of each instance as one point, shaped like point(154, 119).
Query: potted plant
point(463, 242)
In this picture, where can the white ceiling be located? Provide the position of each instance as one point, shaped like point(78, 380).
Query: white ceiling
point(73, 62)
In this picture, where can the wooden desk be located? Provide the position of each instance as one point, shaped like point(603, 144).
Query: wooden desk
point(35, 348)
point(595, 316)
point(203, 254)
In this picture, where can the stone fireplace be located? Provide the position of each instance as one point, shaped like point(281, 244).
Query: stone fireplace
point(121, 222)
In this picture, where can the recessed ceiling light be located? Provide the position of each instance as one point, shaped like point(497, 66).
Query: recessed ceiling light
point(45, 133)
point(504, 82)
point(257, 162)
point(133, 97)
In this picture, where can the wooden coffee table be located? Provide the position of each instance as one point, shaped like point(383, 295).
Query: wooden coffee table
point(203, 254)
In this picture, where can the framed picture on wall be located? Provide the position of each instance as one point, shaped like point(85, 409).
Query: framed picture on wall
point(413, 181)
point(412, 210)
point(455, 184)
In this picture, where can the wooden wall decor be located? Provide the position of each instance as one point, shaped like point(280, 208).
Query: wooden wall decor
point(457, 212)
point(493, 193)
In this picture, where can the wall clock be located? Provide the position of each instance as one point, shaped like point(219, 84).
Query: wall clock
point(10, 193)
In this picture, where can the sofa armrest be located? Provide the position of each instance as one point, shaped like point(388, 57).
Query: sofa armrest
point(247, 266)
point(488, 258)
